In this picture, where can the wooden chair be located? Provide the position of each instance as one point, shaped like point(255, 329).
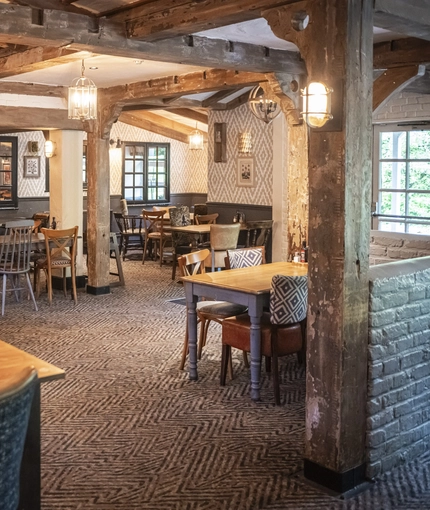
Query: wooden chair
point(15, 255)
point(131, 234)
point(259, 233)
point(222, 238)
point(201, 219)
point(60, 246)
point(200, 209)
point(245, 257)
point(182, 243)
point(16, 397)
point(153, 223)
point(282, 330)
point(43, 217)
point(207, 311)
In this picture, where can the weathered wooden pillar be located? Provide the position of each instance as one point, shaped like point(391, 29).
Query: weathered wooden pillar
point(337, 48)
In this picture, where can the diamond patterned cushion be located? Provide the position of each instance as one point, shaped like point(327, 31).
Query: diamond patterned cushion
point(288, 299)
point(245, 258)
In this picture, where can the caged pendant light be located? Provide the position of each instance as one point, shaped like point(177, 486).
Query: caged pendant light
point(196, 140)
point(263, 108)
point(82, 98)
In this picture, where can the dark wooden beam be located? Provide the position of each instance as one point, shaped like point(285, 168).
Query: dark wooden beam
point(191, 114)
point(409, 17)
point(215, 98)
point(393, 81)
point(36, 118)
point(191, 83)
point(32, 89)
point(160, 18)
point(400, 53)
point(76, 31)
point(35, 59)
point(155, 103)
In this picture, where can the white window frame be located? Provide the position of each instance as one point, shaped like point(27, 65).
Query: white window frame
point(376, 188)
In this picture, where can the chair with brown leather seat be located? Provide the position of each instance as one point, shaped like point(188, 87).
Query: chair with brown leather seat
point(207, 311)
point(282, 330)
point(60, 248)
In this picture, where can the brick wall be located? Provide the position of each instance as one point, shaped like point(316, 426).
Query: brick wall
point(398, 407)
point(405, 105)
point(391, 246)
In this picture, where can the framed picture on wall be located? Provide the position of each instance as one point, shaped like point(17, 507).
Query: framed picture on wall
point(245, 172)
point(31, 166)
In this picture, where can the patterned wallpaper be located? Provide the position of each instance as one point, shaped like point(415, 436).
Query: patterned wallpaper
point(30, 186)
point(222, 185)
point(188, 169)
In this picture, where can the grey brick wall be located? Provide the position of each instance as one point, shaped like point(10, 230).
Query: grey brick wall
point(390, 246)
point(404, 105)
point(398, 406)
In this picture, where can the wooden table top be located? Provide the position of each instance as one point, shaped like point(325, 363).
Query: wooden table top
point(193, 229)
point(251, 280)
point(13, 360)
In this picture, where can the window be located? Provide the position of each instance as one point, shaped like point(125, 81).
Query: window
point(8, 172)
point(146, 172)
point(401, 187)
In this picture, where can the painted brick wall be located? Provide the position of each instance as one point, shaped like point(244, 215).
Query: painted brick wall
point(398, 410)
point(391, 246)
point(403, 106)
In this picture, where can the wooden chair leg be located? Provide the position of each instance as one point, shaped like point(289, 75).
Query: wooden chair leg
point(268, 363)
point(49, 284)
point(64, 282)
point(174, 264)
point(275, 371)
point(75, 295)
point(144, 250)
point(204, 326)
point(185, 348)
point(225, 358)
point(245, 359)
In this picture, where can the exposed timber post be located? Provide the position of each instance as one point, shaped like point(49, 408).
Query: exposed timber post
point(98, 198)
point(337, 48)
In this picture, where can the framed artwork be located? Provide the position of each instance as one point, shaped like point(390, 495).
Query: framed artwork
point(245, 172)
point(31, 166)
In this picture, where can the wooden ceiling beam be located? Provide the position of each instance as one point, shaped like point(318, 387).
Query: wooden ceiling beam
point(77, 31)
point(190, 114)
point(157, 124)
point(35, 59)
point(393, 81)
point(191, 83)
point(215, 98)
point(32, 89)
point(166, 18)
point(409, 17)
point(400, 53)
point(21, 117)
point(234, 103)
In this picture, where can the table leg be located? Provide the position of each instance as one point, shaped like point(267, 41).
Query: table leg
point(30, 482)
point(255, 340)
point(192, 334)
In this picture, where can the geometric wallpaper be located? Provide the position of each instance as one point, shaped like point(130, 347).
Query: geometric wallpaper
point(222, 182)
point(188, 168)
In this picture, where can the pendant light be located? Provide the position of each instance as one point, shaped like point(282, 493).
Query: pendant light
point(82, 98)
point(263, 108)
point(196, 140)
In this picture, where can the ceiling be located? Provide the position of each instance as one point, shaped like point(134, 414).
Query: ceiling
point(109, 70)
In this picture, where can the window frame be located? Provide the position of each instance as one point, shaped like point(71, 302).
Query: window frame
point(13, 202)
point(146, 146)
point(403, 219)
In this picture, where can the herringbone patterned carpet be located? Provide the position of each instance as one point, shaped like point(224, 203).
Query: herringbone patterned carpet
point(126, 429)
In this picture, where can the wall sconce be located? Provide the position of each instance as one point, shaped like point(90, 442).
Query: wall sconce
point(115, 145)
point(196, 140)
point(33, 146)
point(50, 147)
point(316, 104)
point(263, 108)
point(82, 98)
point(245, 143)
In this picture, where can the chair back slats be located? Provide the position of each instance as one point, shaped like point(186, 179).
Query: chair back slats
point(202, 219)
point(153, 221)
point(60, 245)
point(245, 257)
point(288, 299)
point(193, 263)
point(15, 247)
point(258, 232)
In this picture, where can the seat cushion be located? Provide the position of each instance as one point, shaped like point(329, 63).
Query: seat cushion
point(221, 309)
point(236, 332)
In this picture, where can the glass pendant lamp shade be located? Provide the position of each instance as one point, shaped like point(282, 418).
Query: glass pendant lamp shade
point(316, 104)
point(82, 98)
point(49, 149)
point(263, 108)
point(196, 140)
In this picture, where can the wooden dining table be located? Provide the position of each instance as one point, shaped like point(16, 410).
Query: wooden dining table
point(12, 361)
point(250, 287)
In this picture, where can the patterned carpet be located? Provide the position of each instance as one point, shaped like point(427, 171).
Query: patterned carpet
point(126, 429)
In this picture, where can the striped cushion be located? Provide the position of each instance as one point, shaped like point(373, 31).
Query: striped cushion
point(288, 299)
point(245, 258)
